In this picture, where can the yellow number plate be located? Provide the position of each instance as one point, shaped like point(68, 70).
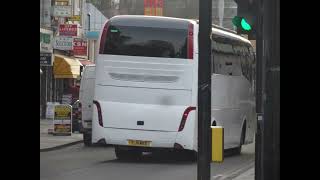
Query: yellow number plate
point(139, 143)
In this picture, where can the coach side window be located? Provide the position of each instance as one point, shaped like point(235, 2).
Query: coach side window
point(213, 57)
point(253, 67)
point(224, 65)
point(251, 61)
point(217, 63)
point(251, 64)
point(245, 65)
point(226, 62)
point(236, 66)
point(217, 66)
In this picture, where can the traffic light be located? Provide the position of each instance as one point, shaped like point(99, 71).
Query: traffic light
point(241, 22)
point(246, 18)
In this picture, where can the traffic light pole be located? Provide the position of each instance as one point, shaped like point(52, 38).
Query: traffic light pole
point(271, 120)
point(204, 90)
point(260, 68)
point(268, 91)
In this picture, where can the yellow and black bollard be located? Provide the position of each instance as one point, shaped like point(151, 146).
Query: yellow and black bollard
point(217, 143)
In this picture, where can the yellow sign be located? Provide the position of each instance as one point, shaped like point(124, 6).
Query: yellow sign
point(62, 129)
point(62, 112)
point(62, 120)
point(75, 18)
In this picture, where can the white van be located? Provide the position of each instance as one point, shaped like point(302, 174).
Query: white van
point(146, 90)
point(86, 101)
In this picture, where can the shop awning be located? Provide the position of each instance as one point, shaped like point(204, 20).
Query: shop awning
point(66, 67)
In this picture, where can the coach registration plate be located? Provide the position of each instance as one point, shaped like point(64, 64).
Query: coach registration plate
point(132, 142)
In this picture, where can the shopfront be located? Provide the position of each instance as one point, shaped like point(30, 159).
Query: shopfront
point(66, 71)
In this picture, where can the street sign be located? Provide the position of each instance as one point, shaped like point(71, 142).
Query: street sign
point(64, 1)
point(159, 7)
point(50, 109)
point(68, 30)
point(63, 42)
point(147, 7)
point(46, 40)
point(94, 35)
point(62, 11)
point(45, 59)
point(153, 7)
point(79, 47)
point(75, 18)
point(62, 119)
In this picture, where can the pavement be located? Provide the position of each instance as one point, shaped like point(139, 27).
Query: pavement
point(246, 172)
point(50, 142)
point(247, 175)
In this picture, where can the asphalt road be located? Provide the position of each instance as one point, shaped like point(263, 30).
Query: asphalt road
point(99, 163)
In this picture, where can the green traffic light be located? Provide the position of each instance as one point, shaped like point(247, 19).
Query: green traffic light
point(242, 23)
point(246, 26)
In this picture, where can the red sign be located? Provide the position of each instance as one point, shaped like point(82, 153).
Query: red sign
point(153, 7)
point(159, 7)
point(79, 47)
point(68, 30)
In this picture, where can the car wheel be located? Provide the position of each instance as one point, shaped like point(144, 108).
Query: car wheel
point(87, 139)
point(243, 134)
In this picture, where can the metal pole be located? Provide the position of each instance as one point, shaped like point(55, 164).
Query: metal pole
point(89, 45)
point(72, 7)
point(257, 168)
point(271, 121)
point(204, 90)
point(88, 21)
point(53, 87)
point(43, 92)
point(259, 92)
point(80, 14)
point(259, 64)
point(49, 84)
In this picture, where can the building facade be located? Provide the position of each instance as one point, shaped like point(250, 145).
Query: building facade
point(63, 50)
point(222, 10)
